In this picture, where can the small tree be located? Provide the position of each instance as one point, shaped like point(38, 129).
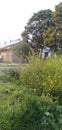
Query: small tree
point(22, 49)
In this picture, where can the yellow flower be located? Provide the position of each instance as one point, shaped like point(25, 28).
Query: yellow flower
point(49, 76)
point(51, 82)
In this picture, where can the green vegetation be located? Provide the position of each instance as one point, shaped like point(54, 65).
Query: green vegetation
point(44, 76)
point(32, 99)
point(44, 28)
point(22, 50)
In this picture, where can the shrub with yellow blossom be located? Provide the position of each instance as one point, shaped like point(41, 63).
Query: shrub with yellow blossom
point(44, 76)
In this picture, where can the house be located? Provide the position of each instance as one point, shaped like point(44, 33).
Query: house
point(7, 54)
point(46, 52)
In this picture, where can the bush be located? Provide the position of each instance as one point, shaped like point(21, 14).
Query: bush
point(26, 111)
point(44, 76)
point(36, 116)
point(11, 75)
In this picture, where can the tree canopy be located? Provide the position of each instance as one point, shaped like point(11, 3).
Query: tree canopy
point(44, 28)
point(36, 25)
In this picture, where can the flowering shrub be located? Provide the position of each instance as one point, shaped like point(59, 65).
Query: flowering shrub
point(44, 76)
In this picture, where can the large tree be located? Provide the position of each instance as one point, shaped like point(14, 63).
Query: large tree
point(36, 25)
point(44, 28)
point(53, 36)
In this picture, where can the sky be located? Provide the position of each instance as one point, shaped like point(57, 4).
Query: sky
point(14, 15)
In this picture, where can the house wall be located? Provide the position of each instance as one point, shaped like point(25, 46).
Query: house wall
point(6, 55)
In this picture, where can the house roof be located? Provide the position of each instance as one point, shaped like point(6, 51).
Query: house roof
point(8, 47)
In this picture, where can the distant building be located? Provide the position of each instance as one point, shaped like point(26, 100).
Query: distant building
point(46, 52)
point(7, 54)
